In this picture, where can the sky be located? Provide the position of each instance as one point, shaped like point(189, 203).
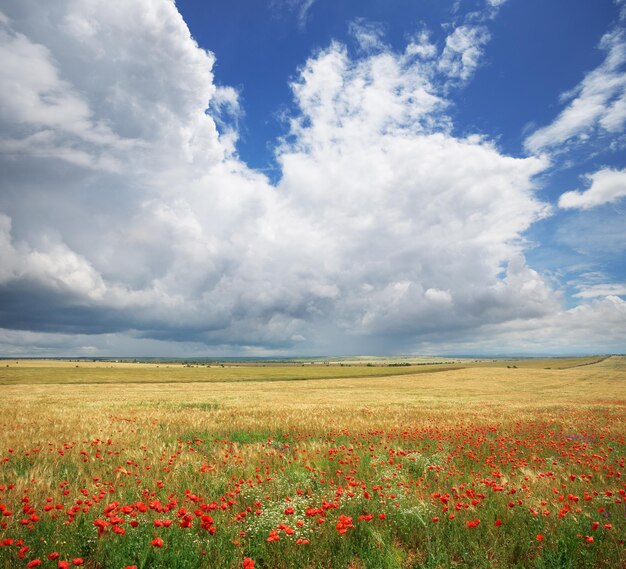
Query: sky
point(312, 177)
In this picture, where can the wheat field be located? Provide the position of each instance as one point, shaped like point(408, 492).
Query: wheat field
point(450, 464)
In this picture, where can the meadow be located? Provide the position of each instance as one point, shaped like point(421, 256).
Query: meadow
point(460, 463)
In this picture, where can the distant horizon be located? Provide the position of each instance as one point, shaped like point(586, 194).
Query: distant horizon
point(304, 358)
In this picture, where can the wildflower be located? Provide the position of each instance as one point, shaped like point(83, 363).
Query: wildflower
point(343, 524)
point(540, 537)
point(101, 525)
point(34, 563)
point(77, 561)
point(157, 542)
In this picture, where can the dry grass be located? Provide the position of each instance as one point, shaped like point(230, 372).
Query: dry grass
point(482, 392)
point(65, 372)
point(149, 412)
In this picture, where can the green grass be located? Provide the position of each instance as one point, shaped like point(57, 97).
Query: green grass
point(58, 372)
point(415, 456)
point(23, 374)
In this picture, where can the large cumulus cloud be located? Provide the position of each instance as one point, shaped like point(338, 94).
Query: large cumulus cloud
point(126, 213)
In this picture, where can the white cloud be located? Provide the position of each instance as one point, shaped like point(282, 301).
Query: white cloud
point(7, 251)
point(463, 51)
point(607, 185)
point(303, 11)
point(301, 8)
point(601, 290)
point(421, 46)
point(52, 114)
point(598, 101)
point(368, 35)
point(594, 327)
point(428, 220)
point(125, 212)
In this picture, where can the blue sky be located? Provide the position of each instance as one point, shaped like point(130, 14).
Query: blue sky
point(537, 51)
point(262, 177)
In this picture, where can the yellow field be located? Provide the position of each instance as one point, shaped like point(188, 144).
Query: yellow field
point(59, 372)
point(49, 411)
point(71, 399)
point(88, 372)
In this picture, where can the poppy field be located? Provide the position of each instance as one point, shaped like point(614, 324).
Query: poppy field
point(485, 464)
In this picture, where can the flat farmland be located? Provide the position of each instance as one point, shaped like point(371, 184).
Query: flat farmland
point(453, 463)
